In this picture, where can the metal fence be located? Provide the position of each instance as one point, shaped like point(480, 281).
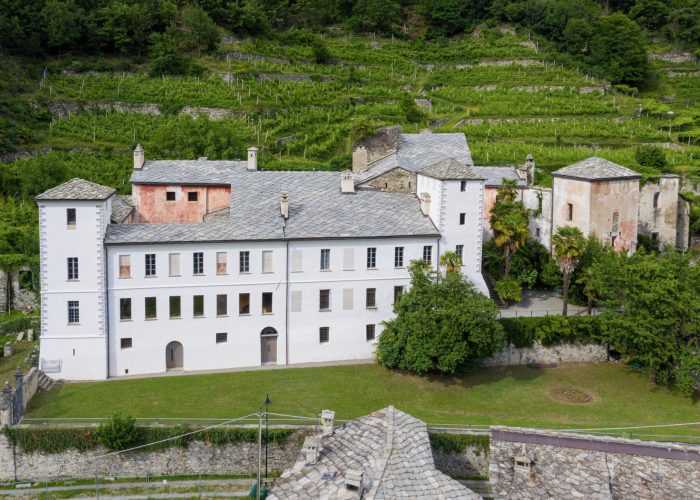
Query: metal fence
point(540, 313)
point(12, 400)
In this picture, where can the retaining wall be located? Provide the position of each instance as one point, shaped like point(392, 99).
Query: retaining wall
point(541, 355)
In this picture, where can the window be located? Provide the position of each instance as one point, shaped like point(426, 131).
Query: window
point(125, 266)
point(151, 309)
point(221, 263)
point(267, 303)
point(656, 200)
point(72, 268)
point(371, 258)
point(126, 343)
point(325, 259)
point(244, 262)
point(347, 299)
point(370, 332)
point(655, 236)
point(221, 338)
point(296, 300)
point(70, 217)
point(73, 312)
point(296, 260)
point(222, 305)
point(174, 264)
point(198, 263)
point(175, 307)
point(170, 195)
point(371, 298)
point(243, 303)
point(150, 264)
point(323, 334)
point(267, 261)
point(192, 196)
point(615, 221)
point(462, 219)
point(428, 254)
point(570, 211)
point(398, 292)
point(324, 300)
point(348, 259)
point(537, 232)
point(198, 306)
point(463, 185)
point(398, 256)
point(124, 309)
point(459, 250)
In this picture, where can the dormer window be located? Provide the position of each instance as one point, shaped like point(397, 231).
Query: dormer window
point(70, 218)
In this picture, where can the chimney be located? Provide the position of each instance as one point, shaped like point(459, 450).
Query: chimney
point(139, 157)
point(252, 158)
point(311, 448)
point(353, 484)
point(284, 205)
point(530, 168)
point(347, 183)
point(425, 203)
point(327, 422)
point(360, 159)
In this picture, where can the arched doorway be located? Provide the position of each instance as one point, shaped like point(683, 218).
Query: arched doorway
point(173, 356)
point(268, 345)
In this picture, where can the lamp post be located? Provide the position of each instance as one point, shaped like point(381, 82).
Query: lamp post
point(267, 403)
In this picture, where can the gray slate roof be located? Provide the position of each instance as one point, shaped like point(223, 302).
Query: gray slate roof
point(493, 176)
point(77, 189)
point(390, 447)
point(450, 169)
point(317, 209)
point(415, 151)
point(121, 208)
point(596, 168)
point(216, 172)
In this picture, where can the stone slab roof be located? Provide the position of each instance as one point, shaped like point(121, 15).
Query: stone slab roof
point(415, 151)
point(450, 169)
point(390, 448)
point(493, 176)
point(77, 189)
point(187, 172)
point(122, 207)
point(317, 209)
point(596, 168)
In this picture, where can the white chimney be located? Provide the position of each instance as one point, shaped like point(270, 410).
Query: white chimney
point(327, 422)
point(311, 448)
point(284, 205)
point(353, 484)
point(425, 203)
point(347, 182)
point(252, 158)
point(530, 169)
point(139, 157)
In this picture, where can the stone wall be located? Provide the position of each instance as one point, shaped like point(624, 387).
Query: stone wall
point(198, 457)
point(541, 355)
point(533, 464)
point(22, 300)
point(473, 462)
point(396, 180)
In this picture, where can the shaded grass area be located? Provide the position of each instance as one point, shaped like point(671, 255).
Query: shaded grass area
point(512, 396)
point(9, 365)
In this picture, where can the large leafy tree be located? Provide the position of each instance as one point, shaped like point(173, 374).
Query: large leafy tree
point(618, 49)
point(443, 324)
point(652, 312)
point(568, 245)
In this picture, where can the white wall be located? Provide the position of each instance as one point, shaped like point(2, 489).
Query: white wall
point(543, 221)
point(77, 348)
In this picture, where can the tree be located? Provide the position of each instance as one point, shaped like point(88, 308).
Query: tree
point(442, 324)
point(118, 433)
point(618, 49)
point(652, 314)
point(509, 222)
point(375, 15)
point(202, 32)
point(321, 53)
point(650, 14)
point(451, 261)
point(165, 55)
point(651, 156)
point(62, 21)
point(568, 244)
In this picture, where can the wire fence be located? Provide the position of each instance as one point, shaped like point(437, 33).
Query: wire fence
point(539, 313)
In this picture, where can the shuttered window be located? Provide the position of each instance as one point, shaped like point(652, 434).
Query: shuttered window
point(198, 306)
point(222, 305)
point(296, 301)
point(267, 261)
point(324, 300)
point(174, 264)
point(221, 263)
point(348, 259)
point(296, 261)
point(125, 266)
point(347, 299)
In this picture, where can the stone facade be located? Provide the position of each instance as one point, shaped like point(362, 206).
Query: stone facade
point(473, 462)
point(535, 464)
point(662, 214)
point(198, 457)
point(541, 355)
point(397, 180)
point(22, 300)
point(374, 147)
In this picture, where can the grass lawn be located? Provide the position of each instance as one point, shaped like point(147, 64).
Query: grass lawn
point(18, 358)
point(514, 396)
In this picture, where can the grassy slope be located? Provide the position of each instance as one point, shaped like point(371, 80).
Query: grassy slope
point(516, 396)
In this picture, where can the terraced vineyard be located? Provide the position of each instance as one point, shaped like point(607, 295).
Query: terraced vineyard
point(507, 97)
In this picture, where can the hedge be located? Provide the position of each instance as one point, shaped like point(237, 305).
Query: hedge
point(56, 440)
point(458, 443)
point(20, 325)
point(552, 330)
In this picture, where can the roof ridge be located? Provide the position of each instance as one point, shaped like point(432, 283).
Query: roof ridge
point(386, 453)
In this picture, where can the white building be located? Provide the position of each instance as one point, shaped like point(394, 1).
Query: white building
point(296, 267)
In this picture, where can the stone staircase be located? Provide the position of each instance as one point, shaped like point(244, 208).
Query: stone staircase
point(46, 383)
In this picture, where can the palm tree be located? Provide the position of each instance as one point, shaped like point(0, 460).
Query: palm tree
point(451, 262)
point(568, 244)
point(509, 224)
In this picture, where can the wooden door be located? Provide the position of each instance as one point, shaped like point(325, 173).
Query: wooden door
point(174, 356)
point(268, 349)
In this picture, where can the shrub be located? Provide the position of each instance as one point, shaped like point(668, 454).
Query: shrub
point(553, 330)
point(118, 433)
point(458, 443)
